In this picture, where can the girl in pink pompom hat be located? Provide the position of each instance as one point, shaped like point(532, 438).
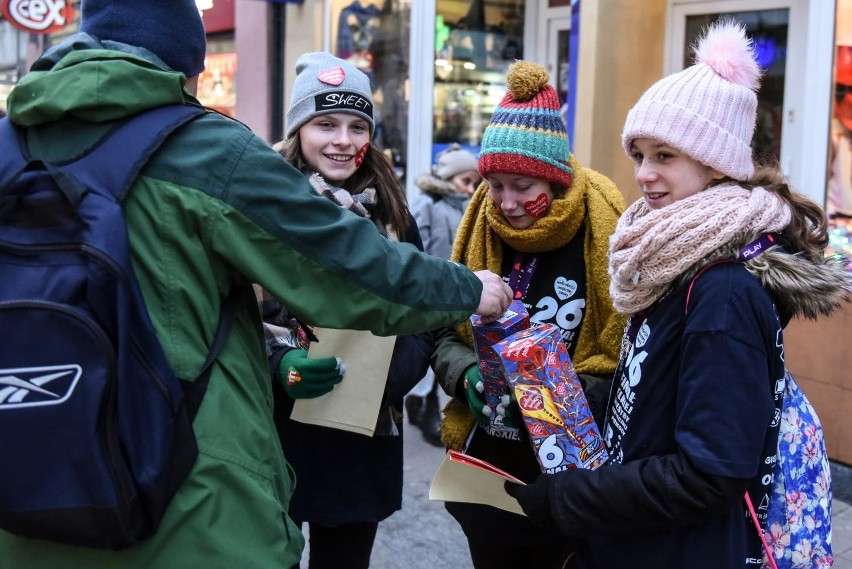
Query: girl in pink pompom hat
point(709, 265)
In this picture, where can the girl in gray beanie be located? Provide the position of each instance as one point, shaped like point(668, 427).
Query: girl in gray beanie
point(329, 139)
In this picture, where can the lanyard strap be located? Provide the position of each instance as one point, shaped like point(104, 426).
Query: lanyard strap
point(758, 246)
point(519, 280)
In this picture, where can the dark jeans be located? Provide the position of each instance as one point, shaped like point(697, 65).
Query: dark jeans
point(346, 545)
point(502, 540)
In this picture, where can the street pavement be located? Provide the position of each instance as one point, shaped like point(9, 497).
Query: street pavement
point(424, 536)
point(841, 516)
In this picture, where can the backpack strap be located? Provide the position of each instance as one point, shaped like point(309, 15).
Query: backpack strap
point(754, 519)
point(109, 168)
point(114, 163)
point(695, 278)
point(12, 160)
point(194, 391)
point(760, 245)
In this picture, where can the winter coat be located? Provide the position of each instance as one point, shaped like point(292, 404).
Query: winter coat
point(677, 471)
point(438, 211)
point(215, 207)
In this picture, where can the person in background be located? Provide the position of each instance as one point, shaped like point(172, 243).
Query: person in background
point(346, 482)
point(543, 221)
point(690, 424)
point(215, 207)
point(438, 211)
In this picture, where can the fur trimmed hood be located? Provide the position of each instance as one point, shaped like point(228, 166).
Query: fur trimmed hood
point(799, 286)
point(435, 186)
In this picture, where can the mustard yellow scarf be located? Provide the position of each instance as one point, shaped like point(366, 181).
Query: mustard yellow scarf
point(484, 232)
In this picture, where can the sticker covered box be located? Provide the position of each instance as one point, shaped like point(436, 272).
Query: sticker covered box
point(554, 408)
point(485, 336)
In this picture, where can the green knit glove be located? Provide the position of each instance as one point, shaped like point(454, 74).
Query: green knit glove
point(507, 413)
point(306, 378)
point(474, 391)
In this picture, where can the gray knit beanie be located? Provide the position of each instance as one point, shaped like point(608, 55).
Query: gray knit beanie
point(170, 29)
point(455, 160)
point(326, 84)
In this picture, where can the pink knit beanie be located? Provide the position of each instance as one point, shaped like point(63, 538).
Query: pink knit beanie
point(708, 110)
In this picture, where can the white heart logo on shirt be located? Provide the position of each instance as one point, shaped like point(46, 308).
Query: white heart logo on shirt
point(564, 288)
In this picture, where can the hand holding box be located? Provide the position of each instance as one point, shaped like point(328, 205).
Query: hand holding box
point(485, 335)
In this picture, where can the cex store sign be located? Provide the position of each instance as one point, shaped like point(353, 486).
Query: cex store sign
point(38, 16)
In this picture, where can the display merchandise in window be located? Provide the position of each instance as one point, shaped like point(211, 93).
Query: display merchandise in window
point(475, 42)
point(374, 36)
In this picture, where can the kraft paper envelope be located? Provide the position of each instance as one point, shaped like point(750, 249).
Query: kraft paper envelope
point(353, 404)
point(462, 480)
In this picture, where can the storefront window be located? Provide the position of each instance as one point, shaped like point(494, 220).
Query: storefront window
point(12, 59)
point(216, 85)
point(475, 42)
point(839, 190)
point(374, 36)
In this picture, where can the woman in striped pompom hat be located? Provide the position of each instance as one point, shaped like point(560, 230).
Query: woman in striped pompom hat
point(542, 221)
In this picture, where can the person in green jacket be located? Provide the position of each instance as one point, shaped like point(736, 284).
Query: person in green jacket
point(216, 207)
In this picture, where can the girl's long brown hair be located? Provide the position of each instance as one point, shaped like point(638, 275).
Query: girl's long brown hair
point(375, 172)
point(808, 228)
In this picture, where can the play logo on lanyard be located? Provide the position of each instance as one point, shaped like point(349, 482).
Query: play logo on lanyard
point(351, 101)
point(38, 16)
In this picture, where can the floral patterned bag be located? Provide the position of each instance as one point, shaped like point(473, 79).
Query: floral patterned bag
point(797, 533)
point(797, 529)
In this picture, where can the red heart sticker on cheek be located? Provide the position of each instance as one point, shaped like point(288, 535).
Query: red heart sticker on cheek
point(359, 158)
point(538, 206)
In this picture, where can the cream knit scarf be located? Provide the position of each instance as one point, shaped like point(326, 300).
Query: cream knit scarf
point(652, 247)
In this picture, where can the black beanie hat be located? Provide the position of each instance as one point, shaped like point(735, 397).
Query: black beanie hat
point(171, 29)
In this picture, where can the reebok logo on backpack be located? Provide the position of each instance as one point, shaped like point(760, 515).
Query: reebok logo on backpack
point(95, 428)
point(37, 386)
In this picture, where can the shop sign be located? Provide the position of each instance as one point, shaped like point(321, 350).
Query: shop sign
point(218, 16)
point(38, 16)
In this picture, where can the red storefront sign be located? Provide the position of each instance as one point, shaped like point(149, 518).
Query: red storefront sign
point(219, 18)
point(38, 16)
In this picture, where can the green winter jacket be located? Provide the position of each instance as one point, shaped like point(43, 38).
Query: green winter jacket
point(215, 207)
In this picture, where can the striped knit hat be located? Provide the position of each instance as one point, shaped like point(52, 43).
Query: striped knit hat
point(526, 135)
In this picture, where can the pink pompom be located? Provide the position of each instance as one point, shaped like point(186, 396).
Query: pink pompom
point(729, 52)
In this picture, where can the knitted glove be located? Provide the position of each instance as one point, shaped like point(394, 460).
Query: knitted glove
point(534, 500)
point(306, 378)
point(474, 389)
point(508, 413)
